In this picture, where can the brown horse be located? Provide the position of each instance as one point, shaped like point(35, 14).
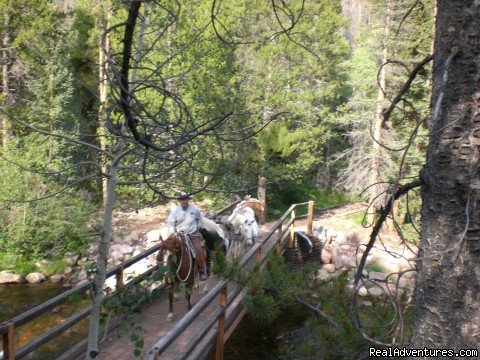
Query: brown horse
point(181, 265)
point(257, 207)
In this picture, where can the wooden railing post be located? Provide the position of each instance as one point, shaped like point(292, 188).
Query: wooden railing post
point(9, 343)
point(119, 278)
point(310, 218)
point(258, 255)
point(262, 195)
point(221, 324)
point(292, 230)
point(279, 232)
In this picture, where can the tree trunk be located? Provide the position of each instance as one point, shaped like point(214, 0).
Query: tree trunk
point(5, 76)
point(446, 312)
point(103, 53)
point(102, 257)
point(104, 246)
point(375, 178)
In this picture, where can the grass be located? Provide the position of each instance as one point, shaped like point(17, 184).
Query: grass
point(54, 267)
point(19, 266)
point(357, 218)
point(377, 267)
point(23, 267)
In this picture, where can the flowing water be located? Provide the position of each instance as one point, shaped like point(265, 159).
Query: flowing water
point(18, 298)
point(274, 341)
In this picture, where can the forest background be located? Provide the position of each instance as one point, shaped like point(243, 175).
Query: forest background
point(302, 85)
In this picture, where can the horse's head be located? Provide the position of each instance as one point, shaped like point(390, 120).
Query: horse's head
point(168, 246)
point(249, 229)
point(243, 221)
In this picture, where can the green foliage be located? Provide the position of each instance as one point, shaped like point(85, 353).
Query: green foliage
point(344, 341)
point(269, 289)
point(38, 229)
point(11, 261)
point(283, 194)
point(377, 267)
point(53, 267)
point(357, 218)
point(272, 290)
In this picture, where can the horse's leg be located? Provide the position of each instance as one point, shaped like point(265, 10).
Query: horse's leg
point(170, 301)
point(176, 291)
point(242, 248)
point(189, 289)
point(208, 259)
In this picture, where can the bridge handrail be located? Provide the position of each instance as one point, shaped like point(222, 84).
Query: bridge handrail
point(172, 335)
point(7, 327)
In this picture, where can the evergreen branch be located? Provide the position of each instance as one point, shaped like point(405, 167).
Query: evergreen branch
point(48, 133)
point(316, 310)
point(52, 194)
point(406, 15)
point(405, 87)
point(49, 173)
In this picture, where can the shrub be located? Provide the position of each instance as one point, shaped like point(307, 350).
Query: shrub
point(283, 194)
point(47, 228)
point(54, 267)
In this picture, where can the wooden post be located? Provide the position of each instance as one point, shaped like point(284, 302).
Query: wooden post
point(310, 218)
point(262, 194)
point(9, 343)
point(292, 230)
point(221, 325)
point(119, 278)
point(258, 255)
point(280, 232)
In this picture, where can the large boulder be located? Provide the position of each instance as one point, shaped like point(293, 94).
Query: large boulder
point(117, 240)
point(82, 275)
point(376, 275)
point(35, 278)
point(329, 267)
point(348, 261)
point(116, 256)
point(362, 291)
point(335, 252)
point(376, 291)
point(56, 278)
point(153, 237)
point(129, 240)
point(326, 257)
point(9, 277)
point(135, 235)
point(125, 249)
point(71, 258)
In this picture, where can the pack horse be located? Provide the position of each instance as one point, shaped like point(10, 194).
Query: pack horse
point(245, 228)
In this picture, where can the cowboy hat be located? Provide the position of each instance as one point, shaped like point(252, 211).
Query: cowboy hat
point(183, 195)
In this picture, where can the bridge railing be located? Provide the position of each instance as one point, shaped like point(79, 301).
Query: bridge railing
point(7, 328)
point(284, 231)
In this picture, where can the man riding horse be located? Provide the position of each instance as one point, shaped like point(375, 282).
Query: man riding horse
point(183, 220)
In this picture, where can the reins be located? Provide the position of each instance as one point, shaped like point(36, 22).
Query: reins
point(190, 248)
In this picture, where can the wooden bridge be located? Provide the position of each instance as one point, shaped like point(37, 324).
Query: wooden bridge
point(196, 334)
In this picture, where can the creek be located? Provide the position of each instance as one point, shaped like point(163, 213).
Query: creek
point(279, 340)
point(250, 340)
point(18, 298)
